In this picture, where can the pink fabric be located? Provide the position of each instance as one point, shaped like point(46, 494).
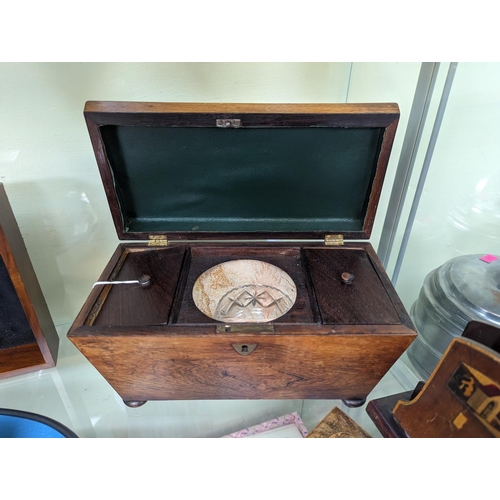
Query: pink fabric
point(291, 418)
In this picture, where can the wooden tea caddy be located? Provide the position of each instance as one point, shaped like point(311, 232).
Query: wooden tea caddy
point(194, 185)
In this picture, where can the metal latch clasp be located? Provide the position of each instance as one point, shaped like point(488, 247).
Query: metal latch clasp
point(228, 122)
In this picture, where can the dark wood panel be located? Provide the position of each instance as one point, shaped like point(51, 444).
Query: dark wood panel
point(380, 411)
point(483, 333)
point(378, 181)
point(388, 286)
point(365, 301)
point(200, 236)
point(135, 305)
point(175, 367)
point(86, 316)
point(287, 259)
point(210, 330)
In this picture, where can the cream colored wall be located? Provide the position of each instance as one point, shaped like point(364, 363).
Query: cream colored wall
point(49, 170)
point(386, 82)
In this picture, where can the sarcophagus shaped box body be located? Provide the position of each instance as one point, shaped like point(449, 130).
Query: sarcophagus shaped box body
point(240, 279)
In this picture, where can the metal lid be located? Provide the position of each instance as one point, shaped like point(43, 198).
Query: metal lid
point(473, 286)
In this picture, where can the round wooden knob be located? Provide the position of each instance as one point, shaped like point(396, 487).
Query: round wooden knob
point(145, 280)
point(347, 278)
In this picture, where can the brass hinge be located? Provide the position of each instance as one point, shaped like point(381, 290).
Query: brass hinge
point(334, 240)
point(157, 240)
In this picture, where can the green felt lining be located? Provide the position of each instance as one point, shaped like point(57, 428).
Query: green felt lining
point(249, 179)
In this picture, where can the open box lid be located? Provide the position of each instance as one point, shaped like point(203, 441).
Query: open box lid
point(242, 171)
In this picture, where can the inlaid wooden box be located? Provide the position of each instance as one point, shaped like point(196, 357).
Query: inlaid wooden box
point(192, 186)
point(28, 338)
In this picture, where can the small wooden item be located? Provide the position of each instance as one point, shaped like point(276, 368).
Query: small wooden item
point(338, 425)
point(192, 187)
point(28, 338)
point(460, 399)
point(380, 411)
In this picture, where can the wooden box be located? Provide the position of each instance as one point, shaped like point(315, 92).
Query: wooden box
point(460, 398)
point(191, 186)
point(28, 338)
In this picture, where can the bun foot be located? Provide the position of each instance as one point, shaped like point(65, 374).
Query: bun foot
point(354, 403)
point(135, 404)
